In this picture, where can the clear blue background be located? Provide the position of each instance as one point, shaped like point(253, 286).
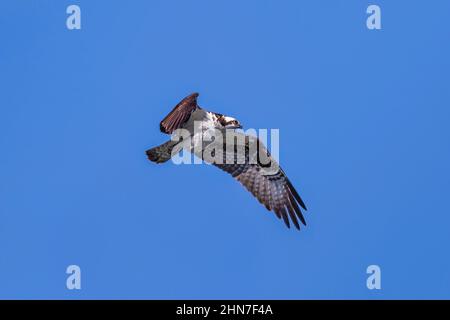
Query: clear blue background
point(364, 124)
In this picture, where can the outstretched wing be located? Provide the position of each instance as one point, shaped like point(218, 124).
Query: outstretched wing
point(180, 114)
point(272, 188)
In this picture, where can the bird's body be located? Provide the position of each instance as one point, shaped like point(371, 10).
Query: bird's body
point(247, 160)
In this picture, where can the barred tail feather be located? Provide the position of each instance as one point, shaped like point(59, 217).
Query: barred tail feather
point(161, 153)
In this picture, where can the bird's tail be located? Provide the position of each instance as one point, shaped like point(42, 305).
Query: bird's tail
point(161, 153)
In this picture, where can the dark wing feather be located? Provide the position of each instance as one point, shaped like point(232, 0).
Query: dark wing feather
point(273, 190)
point(180, 114)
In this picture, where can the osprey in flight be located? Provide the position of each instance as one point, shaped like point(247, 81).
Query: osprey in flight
point(265, 180)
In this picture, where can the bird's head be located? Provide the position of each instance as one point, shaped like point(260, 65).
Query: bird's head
point(229, 122)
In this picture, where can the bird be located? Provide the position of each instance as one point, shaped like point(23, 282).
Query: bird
point(256, 170)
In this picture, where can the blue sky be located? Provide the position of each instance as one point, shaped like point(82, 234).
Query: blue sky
point(363, 118)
